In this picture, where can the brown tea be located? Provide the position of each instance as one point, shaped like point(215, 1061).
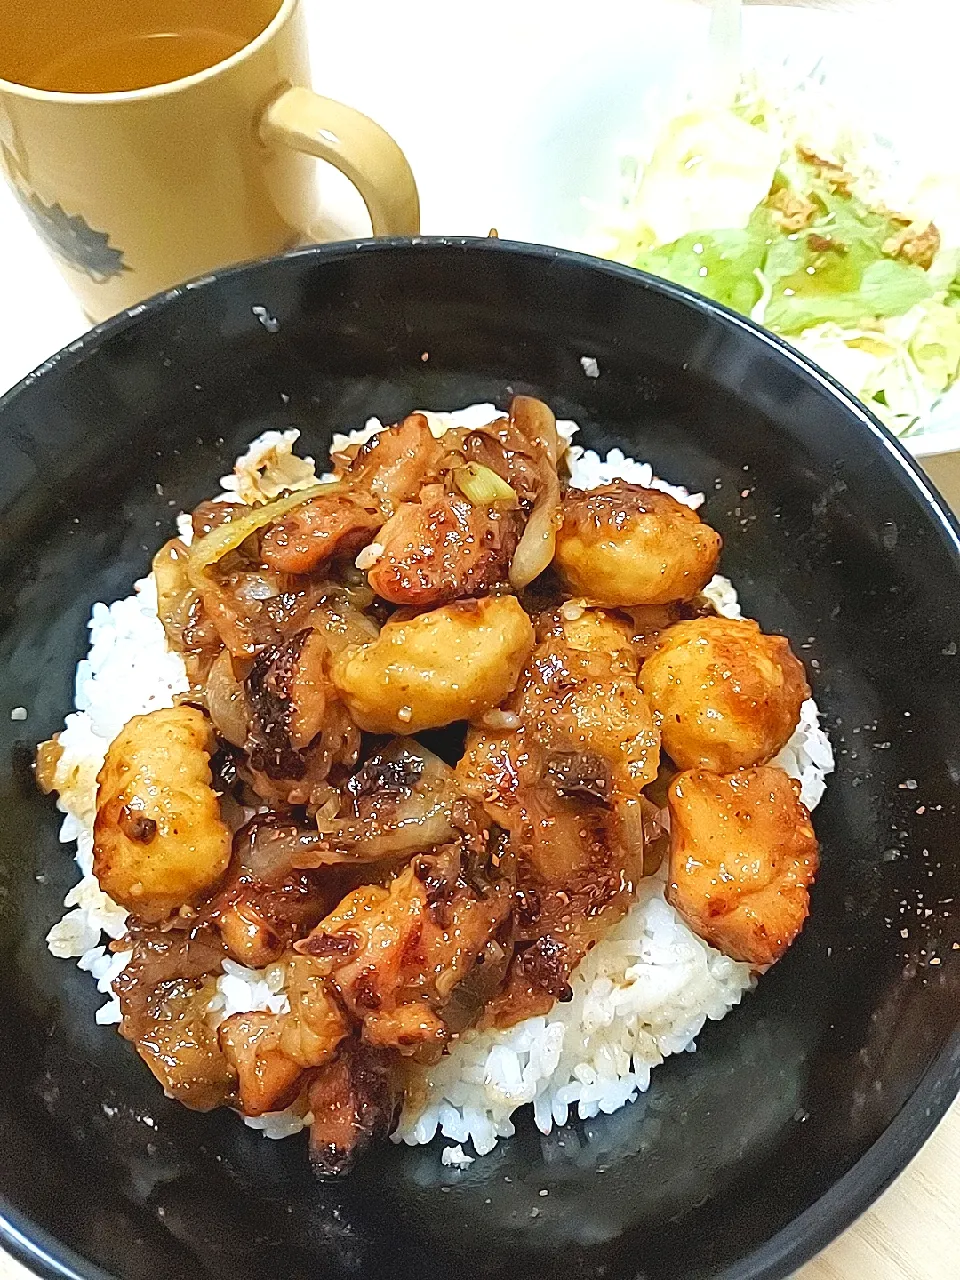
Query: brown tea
point(108, 46)
point(115, 63)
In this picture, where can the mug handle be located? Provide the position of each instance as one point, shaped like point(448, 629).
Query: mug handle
point(354, 144)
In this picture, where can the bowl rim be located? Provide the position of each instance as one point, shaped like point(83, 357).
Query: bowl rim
point(888, 1155)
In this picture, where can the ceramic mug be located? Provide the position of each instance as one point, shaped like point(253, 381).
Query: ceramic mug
point(142, 186)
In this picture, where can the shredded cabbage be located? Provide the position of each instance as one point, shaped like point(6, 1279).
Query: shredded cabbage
point(900, 368)
point(733, 202)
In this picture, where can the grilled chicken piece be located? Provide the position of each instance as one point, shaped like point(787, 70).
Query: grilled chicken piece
point(271, 1051)
point(510, 452)
point(338, 523)
point(576, 700)
point(443, 548)
point(316, 1022)
point(354, 1100)
point(395, 954)
point(575, 866)
point(259, 922)
point(298, 728)
point(742, 857)
point(267, 1079)
point(393, 465)
point(567, 783)
point(287, 695)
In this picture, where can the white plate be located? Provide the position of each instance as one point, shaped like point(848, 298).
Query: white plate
point(515, 110)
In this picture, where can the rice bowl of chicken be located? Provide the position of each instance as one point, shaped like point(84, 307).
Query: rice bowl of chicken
point(585, 988)
point(828, 1070)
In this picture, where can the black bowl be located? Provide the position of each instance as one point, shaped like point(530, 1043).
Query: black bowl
point(743, 1159)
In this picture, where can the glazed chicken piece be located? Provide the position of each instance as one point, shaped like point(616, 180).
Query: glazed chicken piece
point(287, 697)
point(565, 778)
point(164, 991)
point(727, 695)
point(353, 1100)
point(566, 781)
point(453, 663)
point(159, 842)
point(292, 675)
point(396, 953)
point(575, 865)
point(393, 465)
point(298, 729)
point(338, 523)
point(621, 544)
point(238, 603)
point(590, 630)
point(742, 857)
point(267, 1080)
point(581, 701)
point(443, 548)
point(271, 1051)
point(259, 922)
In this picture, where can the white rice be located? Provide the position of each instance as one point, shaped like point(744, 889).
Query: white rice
point(643, 993)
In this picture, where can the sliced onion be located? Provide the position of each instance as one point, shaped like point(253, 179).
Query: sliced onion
point(536, 547)
point(176, 594)
point(227, 701)
point(631, 836)
point(403, 803)
point(213, 546)
point(536, 422)
point(271, 846)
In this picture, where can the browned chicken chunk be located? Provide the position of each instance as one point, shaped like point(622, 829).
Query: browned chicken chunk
point(727, 695)
point(624, 545)
point(394, 464)
point(353, 1101)
point(259, 922)
point(267, 1080)
point(298, 729)
point(453, 663)
point(395, 954)
point(742, 857)
point(159, 842)
point(271, 1051)
point(574, 700)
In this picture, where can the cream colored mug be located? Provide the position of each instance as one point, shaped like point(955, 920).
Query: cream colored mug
point(149, 141)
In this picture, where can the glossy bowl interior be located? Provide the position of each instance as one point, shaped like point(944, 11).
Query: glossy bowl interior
point(743, 1158)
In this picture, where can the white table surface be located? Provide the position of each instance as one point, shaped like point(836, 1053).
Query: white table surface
point(453, 125)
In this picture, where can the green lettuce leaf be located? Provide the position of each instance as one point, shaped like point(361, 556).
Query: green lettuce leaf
point(835, 270)
point(844, 294)
point(723, 265)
